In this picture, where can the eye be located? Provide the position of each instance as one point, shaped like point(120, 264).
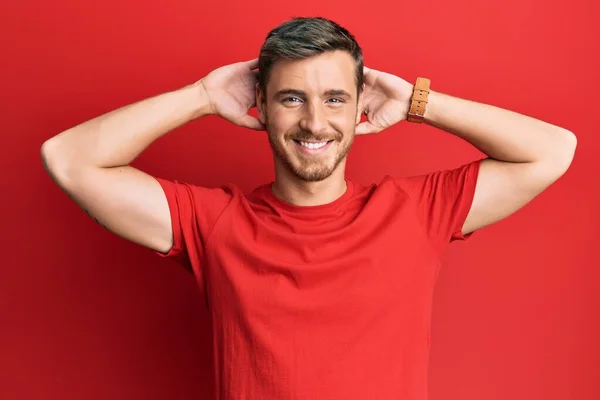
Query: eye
point(337, 100)
point(291, 99)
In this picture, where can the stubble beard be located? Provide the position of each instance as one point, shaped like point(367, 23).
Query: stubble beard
point(309, 168)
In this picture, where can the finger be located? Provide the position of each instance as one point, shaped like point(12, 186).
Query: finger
point(248, 121)
point(364, 128)
point(252, 64)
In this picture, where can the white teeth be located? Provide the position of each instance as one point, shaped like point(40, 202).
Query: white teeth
point(313, 145)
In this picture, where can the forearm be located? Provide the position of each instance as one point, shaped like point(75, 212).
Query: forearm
point(118, 137)
point(499, 133)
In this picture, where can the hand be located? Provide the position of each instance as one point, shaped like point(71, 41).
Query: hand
point(231, 92)
point(386, 101)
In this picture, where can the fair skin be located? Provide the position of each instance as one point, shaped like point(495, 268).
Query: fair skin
point(91, 161)
point(298, 103)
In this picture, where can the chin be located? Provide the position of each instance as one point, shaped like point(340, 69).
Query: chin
point(313, 175)
point(312, 170)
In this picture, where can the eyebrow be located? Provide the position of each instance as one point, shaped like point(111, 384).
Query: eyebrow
point(300, 93)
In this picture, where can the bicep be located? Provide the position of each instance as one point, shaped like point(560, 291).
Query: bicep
point(503, 188)
point(126, 201)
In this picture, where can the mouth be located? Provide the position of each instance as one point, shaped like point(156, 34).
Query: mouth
point(312, 147)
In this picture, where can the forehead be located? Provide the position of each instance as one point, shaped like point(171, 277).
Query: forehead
point(331, 70)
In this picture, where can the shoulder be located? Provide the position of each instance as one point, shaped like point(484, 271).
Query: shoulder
point(184, 194)
point(448, 179)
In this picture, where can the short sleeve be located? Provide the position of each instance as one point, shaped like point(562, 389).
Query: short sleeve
point(442, 201)
point(194, 212)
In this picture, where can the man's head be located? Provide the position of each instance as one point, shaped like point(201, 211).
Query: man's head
point(308, 93)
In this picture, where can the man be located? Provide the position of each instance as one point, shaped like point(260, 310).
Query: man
point(318, 287)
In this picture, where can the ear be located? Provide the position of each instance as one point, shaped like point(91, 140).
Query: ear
point(360, 104)
point(260, 104)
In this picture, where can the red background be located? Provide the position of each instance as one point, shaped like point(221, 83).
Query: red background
point(84, 314)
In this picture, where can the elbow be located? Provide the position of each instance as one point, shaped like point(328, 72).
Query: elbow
point(46, 153)
point(54, 162)
point(565, 152)
point(570, 145)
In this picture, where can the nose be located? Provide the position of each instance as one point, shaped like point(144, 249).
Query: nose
point(314, 119)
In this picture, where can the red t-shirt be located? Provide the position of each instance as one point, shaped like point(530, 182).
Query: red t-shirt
point(321, 302)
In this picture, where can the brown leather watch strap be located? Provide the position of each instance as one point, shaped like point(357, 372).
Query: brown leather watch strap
point(418, 101)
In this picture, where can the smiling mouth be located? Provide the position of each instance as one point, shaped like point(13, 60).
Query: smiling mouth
point(312, 148)
point(313, 145)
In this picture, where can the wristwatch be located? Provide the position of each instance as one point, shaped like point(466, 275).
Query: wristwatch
point(418, 101)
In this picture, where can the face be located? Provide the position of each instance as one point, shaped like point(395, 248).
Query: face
point(310, 111)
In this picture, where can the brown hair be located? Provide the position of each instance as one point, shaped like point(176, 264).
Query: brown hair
point(304, 37)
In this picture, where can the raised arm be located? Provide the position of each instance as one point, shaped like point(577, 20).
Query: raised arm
point(525, 155)
point(90, 162)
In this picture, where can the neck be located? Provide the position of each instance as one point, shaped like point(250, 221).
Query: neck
point(291, 189)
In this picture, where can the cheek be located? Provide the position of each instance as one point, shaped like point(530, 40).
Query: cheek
point(346, 121)
point(282, 120)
